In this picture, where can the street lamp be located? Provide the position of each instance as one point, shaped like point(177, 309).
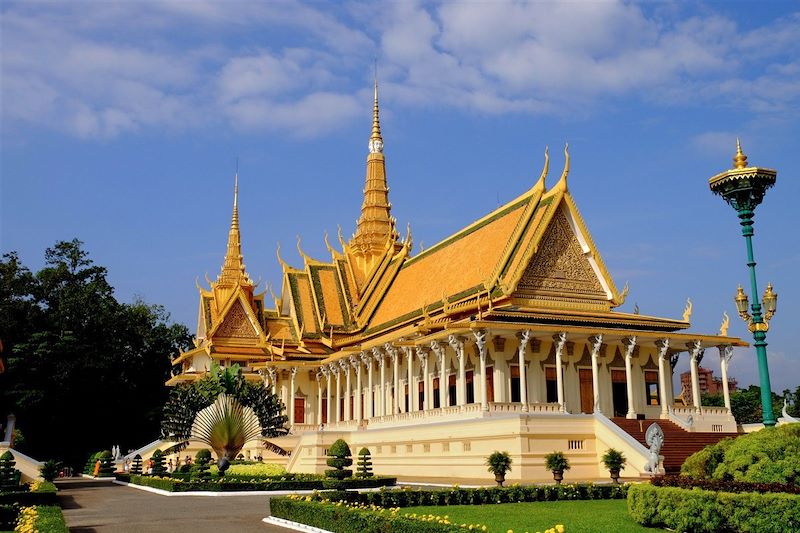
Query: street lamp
point(743, 188)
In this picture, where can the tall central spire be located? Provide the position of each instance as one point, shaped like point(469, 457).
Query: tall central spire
point(233, 270)
point(376, 227)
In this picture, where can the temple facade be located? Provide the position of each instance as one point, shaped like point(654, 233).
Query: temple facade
point(504, 335)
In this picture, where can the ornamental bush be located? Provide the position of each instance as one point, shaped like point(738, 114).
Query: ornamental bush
point(364, 463)
point(9, 476)
point(136, 466)
point(339, 457)
point(685, 482)
point(703, 511)
point(201, 469)
point(771, 455)
point(158, 463)
point(49, 470)
point(88, 468)
point(107, 465)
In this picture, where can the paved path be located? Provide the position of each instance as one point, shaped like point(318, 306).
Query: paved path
point(103, 507)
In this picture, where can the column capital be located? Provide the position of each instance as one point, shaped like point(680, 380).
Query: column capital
point(366, 359)
point(391, 350)
point(409, 351)
point(422, 354)
point(725, 352)
point(335, 369)
point(377, 355)
point(318, 377)
point(293, 371)
point(597, 342)
point(696, 350)
point(560, 339)
point(438, 349)
point(663, 347)
point(271, 371)
point(325, 371)
point(524, 337)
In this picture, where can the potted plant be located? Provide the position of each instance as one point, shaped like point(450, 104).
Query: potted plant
point(499, 463)
point(556, 463)
point(614, 461)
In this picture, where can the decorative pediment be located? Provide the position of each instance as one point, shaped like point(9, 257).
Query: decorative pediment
point(236, 324)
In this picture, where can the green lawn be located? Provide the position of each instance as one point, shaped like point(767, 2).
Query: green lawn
point(589, 516)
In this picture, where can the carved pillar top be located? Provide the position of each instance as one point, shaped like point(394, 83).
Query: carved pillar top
point(366, 359)
point(725, 353)
point(438, 349)
point(480, 341)
point(457, 344)
point(378, 356)
point(272, 372)
point(630, 346)
point(422, 353)
point(293, 371)
point(524, 337)
point(597, 342)
point(409, 352)
point(696, 350)
point(663, 348)
point(560, 339)
point(335, 369)
point(318, 376)
point(391, 350)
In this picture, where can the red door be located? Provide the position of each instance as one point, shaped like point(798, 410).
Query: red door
point(299, 410)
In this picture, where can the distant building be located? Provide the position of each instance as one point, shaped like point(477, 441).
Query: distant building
point(708, 383)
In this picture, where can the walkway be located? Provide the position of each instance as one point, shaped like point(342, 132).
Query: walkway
point(103, 507)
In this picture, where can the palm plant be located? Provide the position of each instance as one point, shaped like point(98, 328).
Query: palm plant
point(499, 463)
point(614, 461)
point(226, 426)
point(556, 462)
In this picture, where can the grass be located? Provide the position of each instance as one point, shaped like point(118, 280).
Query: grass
point(588, 516)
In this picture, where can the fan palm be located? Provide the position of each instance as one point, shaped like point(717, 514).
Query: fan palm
point(226, 426)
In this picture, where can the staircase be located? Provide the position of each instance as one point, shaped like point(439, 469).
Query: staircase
point(678, 443)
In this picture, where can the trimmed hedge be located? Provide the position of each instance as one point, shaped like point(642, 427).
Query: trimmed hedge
point(480, 496)
point(47, 518)
point(702, 511)
point(8, 516)
point(279, 483)
point(343, 519)
point(684, 482)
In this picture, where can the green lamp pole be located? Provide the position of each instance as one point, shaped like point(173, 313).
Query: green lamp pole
point(743, 188)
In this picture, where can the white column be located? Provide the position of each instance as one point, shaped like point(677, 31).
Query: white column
point(285, 395)
point(663, 349)
point(480, 341)
point(696, 353)
point(630, 345)
point(356, 364)
point(273, 377)
point(345, 364)
point(596, 342)
point(457, 343)
point(438, 349)
point(422, 353)
point(524, 337)
point(327, 373)
point(319, 398)
point(560, 340)
point(376, 353)
point(393, 353)
point(410, 371)
point(725, 354)
point(291, 395)
point(369, 403)
point(336, 372)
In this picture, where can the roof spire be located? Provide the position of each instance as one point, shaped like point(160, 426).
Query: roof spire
point(739, 160)
point(233, 267)
point(375, 140)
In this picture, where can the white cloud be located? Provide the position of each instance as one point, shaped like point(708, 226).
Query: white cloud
point(104, 69)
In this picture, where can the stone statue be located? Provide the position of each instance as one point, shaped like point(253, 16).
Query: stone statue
point(787, 418)
point(654, 437)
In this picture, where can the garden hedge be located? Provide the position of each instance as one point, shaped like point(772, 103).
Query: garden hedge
point(42, 518)
point(480, 496)
point(224, 485)
point(702, 511)
point(685, 482)
point(343, 519)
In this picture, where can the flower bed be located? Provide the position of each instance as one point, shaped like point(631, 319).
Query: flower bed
point(480, 496)
point(703, 511)
point(43, 518)
point(37, 493)
point(685, 482)
point(279, 483)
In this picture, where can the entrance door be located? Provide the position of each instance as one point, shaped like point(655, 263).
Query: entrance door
point(435, 393)
point(451, 389)
point(619, 392)
point(489, 384)
point(324, 410)
point(299, 410)
point(420, 396)
point(470, 386)
point(587, 390)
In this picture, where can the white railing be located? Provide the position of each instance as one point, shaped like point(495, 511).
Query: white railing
point(714, 411)
point(302, 428)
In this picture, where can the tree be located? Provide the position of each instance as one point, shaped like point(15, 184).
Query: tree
point(159, 469)
point(71, 347)
point(9, 476)
point(136, 466)
point(745, 404)
point(364, 463)
point(222, 410)
point(339, 456)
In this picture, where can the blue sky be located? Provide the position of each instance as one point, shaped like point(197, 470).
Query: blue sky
point(122, 122)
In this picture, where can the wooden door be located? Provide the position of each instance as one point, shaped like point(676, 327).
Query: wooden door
point(489, 384)
point(324, 410)
point(299, 410)
point(587, 390)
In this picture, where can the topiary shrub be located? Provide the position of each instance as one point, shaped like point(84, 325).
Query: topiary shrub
point(701, 464)
point(136, 466)
point(201, 469)
point(364, 463)
point(107, 465)
point(339, 457)
point(9, 476)
point(49, 470)
point(159, 469)
point(88, 468)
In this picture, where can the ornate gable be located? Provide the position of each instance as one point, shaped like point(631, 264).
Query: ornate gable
point(236, 324)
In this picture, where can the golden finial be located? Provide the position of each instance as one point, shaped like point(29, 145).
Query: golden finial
point(545, 169)
point(726, 323)
point(305, 257)
point(687, 311)
point(375, 140)
point(739, 160)
point(565, 172)
point(283, 263)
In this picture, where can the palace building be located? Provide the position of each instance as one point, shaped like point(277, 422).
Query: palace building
point(503, 336)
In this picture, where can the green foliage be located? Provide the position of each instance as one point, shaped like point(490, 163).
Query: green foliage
point(9, 476)
point(136, 465)
point(364, 469)
point(287, 482)
point(88, 468)
point(499, 463)
point(203, 456)
point(50, 469)
point(703, 511)
point(746, 403)
point(556, 461)
point(339, 457)
point(188, 399)
point(614, 459)
point(158, 458)
point(50, 518)
point(771, 455)
point(107, 465)
point(8, 515)
point(72, 347)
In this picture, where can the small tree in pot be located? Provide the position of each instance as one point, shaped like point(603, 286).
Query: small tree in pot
point(556, 463)
point(614, 461)
point(499, 463)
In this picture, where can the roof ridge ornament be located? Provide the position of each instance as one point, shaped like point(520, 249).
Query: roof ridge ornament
point(545, 169)
point(565, 172)
point(739, 160)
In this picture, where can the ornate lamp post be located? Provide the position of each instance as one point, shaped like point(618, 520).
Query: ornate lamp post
point(743, 188)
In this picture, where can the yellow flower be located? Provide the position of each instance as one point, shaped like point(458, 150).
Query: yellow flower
point(560, 528)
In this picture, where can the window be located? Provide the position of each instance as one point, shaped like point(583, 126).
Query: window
point(451, 389)
point(436, 403)
point(515, 391)
point(470, 386)
point(651, 387)
point(552, 384)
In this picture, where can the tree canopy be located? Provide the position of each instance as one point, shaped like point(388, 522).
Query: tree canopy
point(83, 370)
